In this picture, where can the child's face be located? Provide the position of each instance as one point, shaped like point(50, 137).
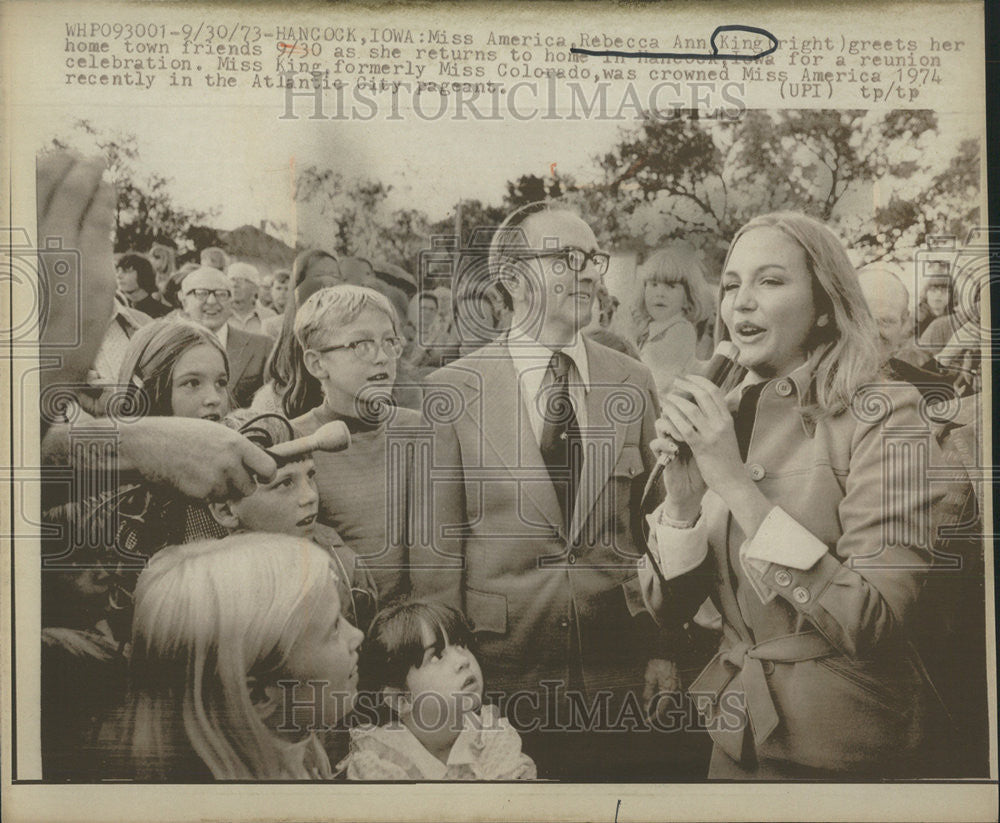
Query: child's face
point(279, 294)
point(286, 505)
point(937, 299)
point(198, 387)
point(664, 300)
point(325, 656)
point(451, 672)
point(346, 376)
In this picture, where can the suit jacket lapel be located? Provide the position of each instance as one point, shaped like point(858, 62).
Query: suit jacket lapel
point(507, 433)
point(602, 436)
point(238, 352)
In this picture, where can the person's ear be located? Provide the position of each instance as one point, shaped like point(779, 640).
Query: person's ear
point(313, 362)
point(266, 698)
point(224, 515)
point(515, 274)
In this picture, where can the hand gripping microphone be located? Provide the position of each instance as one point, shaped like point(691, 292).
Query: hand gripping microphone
point(721, 370)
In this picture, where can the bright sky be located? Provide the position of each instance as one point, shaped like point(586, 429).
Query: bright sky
point(431, 165)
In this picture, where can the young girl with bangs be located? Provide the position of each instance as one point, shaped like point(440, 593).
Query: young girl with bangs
point(418, 660)
point(241, 661)
point(667, 313)
point(808, 531)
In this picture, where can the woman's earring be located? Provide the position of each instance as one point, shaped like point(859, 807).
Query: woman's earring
point(822, 320)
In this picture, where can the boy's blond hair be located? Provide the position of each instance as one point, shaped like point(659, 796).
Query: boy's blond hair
point(336, 306)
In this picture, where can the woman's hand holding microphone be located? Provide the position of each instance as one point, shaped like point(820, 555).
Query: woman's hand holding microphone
point(695, 413)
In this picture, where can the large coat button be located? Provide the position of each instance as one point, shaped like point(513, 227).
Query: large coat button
point(757, 471)
point(800, 595)
point(782, 577)
point(783, 388)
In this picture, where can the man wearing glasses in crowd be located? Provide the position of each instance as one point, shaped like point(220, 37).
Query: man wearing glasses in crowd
point(535, 463)
point(206, 299)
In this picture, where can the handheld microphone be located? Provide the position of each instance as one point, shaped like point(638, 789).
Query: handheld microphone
point(330, 437)
point(723, 368)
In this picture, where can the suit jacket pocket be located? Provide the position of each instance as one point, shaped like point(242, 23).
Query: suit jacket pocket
point(487, 611)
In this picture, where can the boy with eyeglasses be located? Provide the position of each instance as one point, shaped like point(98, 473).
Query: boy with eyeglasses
point(206, 299)
point(351, 344)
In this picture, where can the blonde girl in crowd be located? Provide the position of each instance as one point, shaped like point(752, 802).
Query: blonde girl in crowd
point(241, 661)
point(670, 305)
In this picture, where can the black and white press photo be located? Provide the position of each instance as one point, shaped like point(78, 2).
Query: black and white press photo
point(581, 409)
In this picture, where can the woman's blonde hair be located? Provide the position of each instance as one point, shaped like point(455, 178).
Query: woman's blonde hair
point(677, 264)
point(208, 616)
point(337, 306)
point(843, 354)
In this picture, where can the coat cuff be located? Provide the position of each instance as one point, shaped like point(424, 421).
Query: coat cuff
point(679, 550)
point(783, 540)
point(782, 543)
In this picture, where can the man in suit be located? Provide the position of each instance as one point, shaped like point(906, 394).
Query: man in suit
point(248, 313)
point(206, 299)
point(539, 454)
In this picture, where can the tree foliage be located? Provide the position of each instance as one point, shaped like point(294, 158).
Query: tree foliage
point(361, 220)
point(702, 179)
point(885, 181)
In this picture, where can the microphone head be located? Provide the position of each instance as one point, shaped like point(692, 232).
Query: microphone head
point(727, 349)
point(331, 437)
point(724, 369)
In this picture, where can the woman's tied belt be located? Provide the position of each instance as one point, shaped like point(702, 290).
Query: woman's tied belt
point(733, 687)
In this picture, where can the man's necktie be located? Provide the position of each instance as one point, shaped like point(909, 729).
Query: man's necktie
point(561, 445)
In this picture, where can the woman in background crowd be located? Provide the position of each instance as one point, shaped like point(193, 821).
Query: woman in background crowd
point(137, 283)
point(163, 256)
point(936, 300)
point(289, 388)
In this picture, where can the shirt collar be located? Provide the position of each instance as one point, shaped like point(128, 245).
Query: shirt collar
point(463, 751)
point(223, 334)
point(658, 327)
point(255, 311)
point(527, 353)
